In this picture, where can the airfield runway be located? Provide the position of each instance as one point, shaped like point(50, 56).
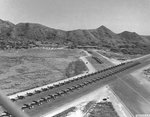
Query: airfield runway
point(121, 87)
point(132, 94)
point(46, 107)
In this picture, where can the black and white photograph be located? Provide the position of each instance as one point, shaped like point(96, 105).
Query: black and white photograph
point(74, 58)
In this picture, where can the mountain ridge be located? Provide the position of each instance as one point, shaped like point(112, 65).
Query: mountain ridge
point(125, 42)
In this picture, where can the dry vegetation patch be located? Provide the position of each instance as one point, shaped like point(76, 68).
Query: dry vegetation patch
point(146, 73)
point(75, 68)
point(103, 109)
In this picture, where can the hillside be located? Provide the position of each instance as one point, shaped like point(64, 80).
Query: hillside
point(148, 37)
point(25, 35)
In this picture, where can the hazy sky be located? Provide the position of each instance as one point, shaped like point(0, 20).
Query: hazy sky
point(117, 15)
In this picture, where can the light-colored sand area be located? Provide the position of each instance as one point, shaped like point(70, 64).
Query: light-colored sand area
point(97, 95)
point(139, 75)
point(88, 64)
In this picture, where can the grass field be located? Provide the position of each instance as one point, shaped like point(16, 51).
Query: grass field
point(25, 69)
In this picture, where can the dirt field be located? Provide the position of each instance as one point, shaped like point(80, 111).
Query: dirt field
point(25, 69)
point(118, 56)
